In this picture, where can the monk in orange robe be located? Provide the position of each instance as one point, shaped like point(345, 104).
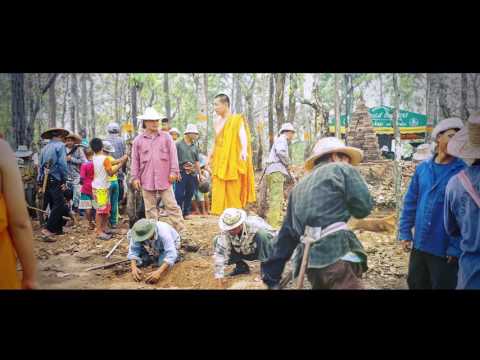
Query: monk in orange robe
point(233, 184)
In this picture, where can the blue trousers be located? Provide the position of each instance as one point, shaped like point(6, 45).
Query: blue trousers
point(114, 193)
point(184, 191)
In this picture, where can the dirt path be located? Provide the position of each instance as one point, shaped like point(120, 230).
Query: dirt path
point(63, 264)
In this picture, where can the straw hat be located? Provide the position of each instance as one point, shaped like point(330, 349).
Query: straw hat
point(191, 129)
point(174, 130)
point(48, 134)
point(76, 138)
point(108, 147)
point(231, 218)
point(151, 114)
point(286, 127)
point(423, 152)
point(446, 124)
point(143, 230)
point(23, 151)
point(466, 143)
point(330, 145)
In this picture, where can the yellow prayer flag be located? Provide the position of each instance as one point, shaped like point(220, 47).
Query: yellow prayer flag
point(202, 117)
point(127, 127)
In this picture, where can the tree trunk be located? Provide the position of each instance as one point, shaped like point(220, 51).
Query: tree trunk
point(52, 106)
point(464, 113)
point(74, 103)
point(116, 99)
point(238, 95)
point(166, 90)
point(397, 170)
point(205, 95)
point(93, 120)
point(442, 98)
point(270, 111)
point(65, 100)
point(279, 96)
point(380, 79)
point(348, 101)
point(338, 132)
point(234, 87)
point(474, 78)
point(84, 108)
point(133, 94)
point(291, 98)
point(18, 108)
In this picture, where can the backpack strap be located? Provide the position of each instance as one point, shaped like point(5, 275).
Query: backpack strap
point(467, 184)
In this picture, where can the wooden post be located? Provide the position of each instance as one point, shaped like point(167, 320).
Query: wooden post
point(338, 132)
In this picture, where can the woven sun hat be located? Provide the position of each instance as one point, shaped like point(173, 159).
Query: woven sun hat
point(48, 134)
point(76, 138)
point(286, 127)
point(174, 130)
point(191, 129)
point(423, 152)
point(23, 151)
point(143, 230)
point(231, 218)
point(329, 145)
point(151, 114)
point(108, 147)
point(446, 124)
point(465, 144)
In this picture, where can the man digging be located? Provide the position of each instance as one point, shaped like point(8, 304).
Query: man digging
point(243, 238)
point(320, 206)
point(152, 242)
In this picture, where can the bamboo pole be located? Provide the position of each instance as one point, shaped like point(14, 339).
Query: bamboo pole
point(397, 169)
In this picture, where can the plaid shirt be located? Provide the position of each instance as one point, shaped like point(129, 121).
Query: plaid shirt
point(331, 193)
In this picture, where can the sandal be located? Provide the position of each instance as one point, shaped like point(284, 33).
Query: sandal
point(104, 236)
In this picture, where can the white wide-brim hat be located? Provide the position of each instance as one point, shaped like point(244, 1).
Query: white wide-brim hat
point(466, 143)
point(174, 130)
point(446, 124)
point(423, 152)
point(23, 151)
point(286, 127)
point(191, 129)
point(108, 147)
point(151, 114)
point(231, 218)
point(330, 145)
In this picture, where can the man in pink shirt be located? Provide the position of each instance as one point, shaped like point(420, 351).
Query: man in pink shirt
point(155, 168)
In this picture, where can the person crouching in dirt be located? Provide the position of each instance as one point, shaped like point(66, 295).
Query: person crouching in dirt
point(324, 200)
point(152, 242)
point(433, 260)
point(243, 238)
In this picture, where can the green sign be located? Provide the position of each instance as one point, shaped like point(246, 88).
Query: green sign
point(382, 116)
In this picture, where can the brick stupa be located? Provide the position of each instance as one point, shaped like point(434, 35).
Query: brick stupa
point(361, 134)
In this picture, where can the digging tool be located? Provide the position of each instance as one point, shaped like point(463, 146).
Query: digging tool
point(44, 212)
point(285, 280)
point(106, 266)
point(43, 189)
point(113, 249)
point(306, 252)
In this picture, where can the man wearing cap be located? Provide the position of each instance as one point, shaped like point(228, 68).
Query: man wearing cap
point(75, 159)
point(433, 258)
point(165, 124)
point(28, 172)
point(233, 183)
point(242, 238)
point(54, 154)
point(278, 166)
point(119, 147)
point(154, 168)
point(174, 133)
point(423, 152)
point(462, 203)
point(188, 159)
point(322, 203)
point(152, 242)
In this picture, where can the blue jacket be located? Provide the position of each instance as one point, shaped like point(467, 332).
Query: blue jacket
point(423, 209)
point(57, 153)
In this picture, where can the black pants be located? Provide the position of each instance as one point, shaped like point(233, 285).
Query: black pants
point(427, 271)
point(54, 197)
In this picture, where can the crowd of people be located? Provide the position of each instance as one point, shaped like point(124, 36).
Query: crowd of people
point(439, 223)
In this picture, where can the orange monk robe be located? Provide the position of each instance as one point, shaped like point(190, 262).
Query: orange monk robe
point(233, 183)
